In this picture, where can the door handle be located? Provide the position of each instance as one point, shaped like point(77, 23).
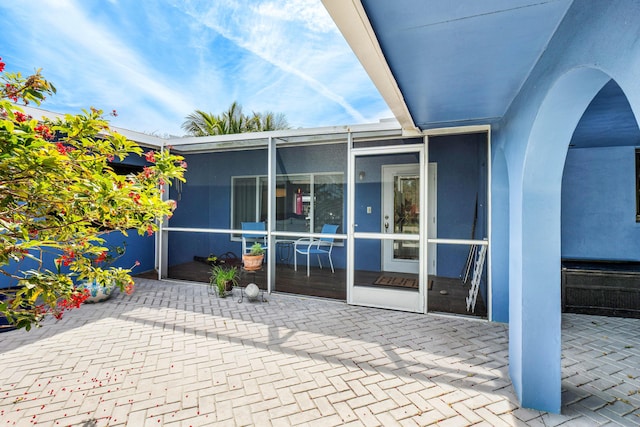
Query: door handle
point(386, 227)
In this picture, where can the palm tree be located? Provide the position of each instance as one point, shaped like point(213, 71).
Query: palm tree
point(260, 122)
point(232, 121)
point(200, 123)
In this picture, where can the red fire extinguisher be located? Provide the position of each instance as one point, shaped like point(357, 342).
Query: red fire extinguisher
point(298, 203)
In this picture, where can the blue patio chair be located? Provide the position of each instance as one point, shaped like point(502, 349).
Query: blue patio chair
point(248, 238)
point(310, 246)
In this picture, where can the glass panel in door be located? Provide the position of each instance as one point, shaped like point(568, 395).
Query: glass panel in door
point(401, 215)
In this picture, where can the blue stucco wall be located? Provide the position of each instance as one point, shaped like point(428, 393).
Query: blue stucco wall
point(595, 42)
point(599, 205)
point(138, 248)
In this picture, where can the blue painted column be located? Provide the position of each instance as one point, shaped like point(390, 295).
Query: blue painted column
point(540, 314)
point(499, 237)
point(535, 333)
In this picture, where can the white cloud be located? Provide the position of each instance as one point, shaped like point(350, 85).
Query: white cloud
point(310, 12)
point(286, 43)
point(157, 61)
point(93, 58)
point(110, 56)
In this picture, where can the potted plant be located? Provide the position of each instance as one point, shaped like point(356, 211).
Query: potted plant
point(253, 260)
point(100, 289)
point(224, 279)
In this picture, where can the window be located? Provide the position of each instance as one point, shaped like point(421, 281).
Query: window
point(246, 204)
point(304, 202)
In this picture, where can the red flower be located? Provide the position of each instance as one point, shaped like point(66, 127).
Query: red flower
point(2, 65)
point(67, 257)
point(77, 298)
point(44, 132)
point(149, 230)
point(11, 91)
point(150, 156)
point(129, 288)
point(21, 117)
point(101, 258)
point(135, 197)
point(61, 148)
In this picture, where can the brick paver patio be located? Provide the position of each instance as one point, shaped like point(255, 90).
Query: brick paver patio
point(173, 355)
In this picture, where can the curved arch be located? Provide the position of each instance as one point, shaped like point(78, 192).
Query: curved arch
point(538, 322)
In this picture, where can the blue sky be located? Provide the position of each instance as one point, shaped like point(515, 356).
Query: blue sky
point(157, 61)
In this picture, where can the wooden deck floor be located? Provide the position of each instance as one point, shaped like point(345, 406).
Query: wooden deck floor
point(446, 295)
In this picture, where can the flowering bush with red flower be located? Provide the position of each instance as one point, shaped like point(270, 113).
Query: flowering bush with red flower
point(59, 197)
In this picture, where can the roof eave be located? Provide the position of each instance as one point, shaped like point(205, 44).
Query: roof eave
point(352, 21)
point(143, 139)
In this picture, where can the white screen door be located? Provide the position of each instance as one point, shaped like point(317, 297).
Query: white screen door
point(388, 266)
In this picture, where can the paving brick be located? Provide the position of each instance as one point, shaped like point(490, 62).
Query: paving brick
point(305, 417)
point(501, 407)
point(494, 419)
point(265, 405)
point(525, 415)
point(345, 412)
point(174, 354)
point(430, 417)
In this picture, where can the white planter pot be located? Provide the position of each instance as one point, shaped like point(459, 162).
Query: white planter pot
point(97, 292)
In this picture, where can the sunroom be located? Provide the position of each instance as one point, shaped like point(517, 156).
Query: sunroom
point(400, 220)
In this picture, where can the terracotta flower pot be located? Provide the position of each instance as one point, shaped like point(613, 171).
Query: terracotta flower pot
point(252, 262)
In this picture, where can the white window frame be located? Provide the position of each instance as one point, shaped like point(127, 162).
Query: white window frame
point(312, 179)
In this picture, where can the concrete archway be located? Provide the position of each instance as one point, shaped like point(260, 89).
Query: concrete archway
point(535, 311)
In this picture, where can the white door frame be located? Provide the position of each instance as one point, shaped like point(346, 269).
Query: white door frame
point(397, 299)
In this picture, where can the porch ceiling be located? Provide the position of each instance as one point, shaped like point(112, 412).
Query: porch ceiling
point(439, 63)
point(608, 121)
point(455, 63)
